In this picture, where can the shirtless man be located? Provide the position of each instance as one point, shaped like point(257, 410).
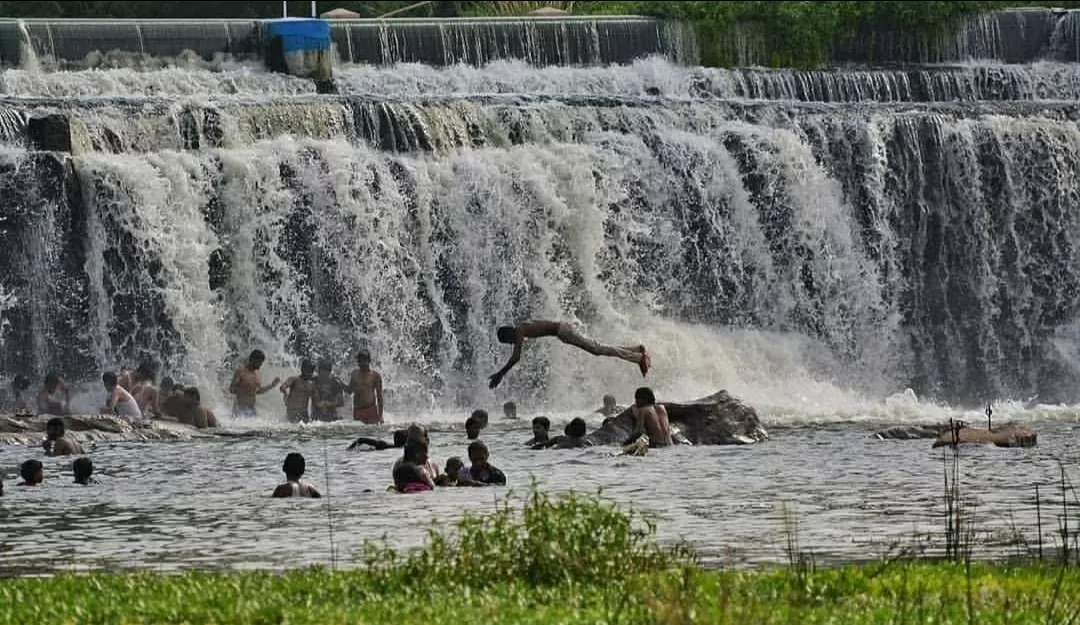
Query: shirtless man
point(194, 413)
point(366, 387)
point(120, 402)
point(246, 385)
point(297, 391)
point(650, 419)
point(56, 441)
point(329, 393)
point(511, 335)
point(143, 390)
point(54, 397)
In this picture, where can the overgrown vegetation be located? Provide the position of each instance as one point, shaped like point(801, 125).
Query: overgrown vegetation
point(571, 559)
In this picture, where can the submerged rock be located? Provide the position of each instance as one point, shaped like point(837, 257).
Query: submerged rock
point(1010, 435)
point(83, 428)
point(718, 419)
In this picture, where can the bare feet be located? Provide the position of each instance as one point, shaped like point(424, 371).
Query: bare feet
point(645, 361)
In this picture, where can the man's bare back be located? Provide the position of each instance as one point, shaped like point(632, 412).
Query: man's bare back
point(650, 418)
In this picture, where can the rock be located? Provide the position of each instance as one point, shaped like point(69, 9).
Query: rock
point(1009, 435)
point(58, 132)
point(83, 428)
point(909, 432)
point(718, 419)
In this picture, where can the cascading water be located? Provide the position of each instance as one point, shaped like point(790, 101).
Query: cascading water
point(800, 238)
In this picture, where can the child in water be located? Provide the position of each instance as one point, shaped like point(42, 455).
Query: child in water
point(83, 468)
point(294, 467)
point(32, 472)
point(410, 476)
point(480, 471)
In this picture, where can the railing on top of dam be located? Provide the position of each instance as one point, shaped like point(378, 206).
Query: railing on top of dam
point(74, 43)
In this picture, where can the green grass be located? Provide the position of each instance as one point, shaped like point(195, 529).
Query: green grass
point(572, 559)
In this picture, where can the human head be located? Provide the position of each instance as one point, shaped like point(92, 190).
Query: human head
point(416, 451)
point(644, 397)
point(481, 417)
point(256, 359)
point(307, 369)
point(192, 393)
point(453, 467)
point(109, 379)
point(32, 472)
point(146, 371)
point(400, 438)
point(363, 359)
point(83, 468)
point(506, 334)
point(609, 403)
point(20, 383)
point(325, 367)
point(472, 428)
point(576, 428)
point(167, 385)
point(510, 410)
point(541, 427)
point(478, 455)
point(51, 381)
point(294, 466)
point(55, 428)
point(417, 432)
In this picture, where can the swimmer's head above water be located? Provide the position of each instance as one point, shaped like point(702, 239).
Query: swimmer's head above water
point(506, 334)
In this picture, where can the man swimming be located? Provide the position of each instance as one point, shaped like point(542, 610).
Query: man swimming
point(566, 333)
point(246, 385)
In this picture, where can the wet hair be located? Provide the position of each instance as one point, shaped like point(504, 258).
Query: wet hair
point(506, 334)
point(56, 423)
point(609, 400)
point(168, 384)
point(20, 383)
point(363, 356)
point(417, 432)
point(471, 423)
point(413, 449)
point(257, 354)
point(306, 367)
point(509, 407)
point(544, 421)
point(109, 378)
point(30, 469)
point(644, 396)
point(51, 379)
point(477, 447)
point(576, 428)
point(192, 392)
point(401, 437)
point(294, 465)
point(455, 462)
point(83, 468)
point(481, 416)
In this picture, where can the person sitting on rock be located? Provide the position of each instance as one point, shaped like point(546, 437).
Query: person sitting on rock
point(20, 406)
point(400, 438)
point(194, 413)
point(119, 400)
point(143, 390)
point(472, 428)
point(55, 397)
point(480, 470)
point(294, 467)
point(172, 398)
point(610, 408)
point(32, 472)
point(83, 468)
point(56, 442)
point(510, 411)
point(541, 429)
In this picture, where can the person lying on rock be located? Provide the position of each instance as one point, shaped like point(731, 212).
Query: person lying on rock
point(294, 467)
point(541, 429)
point(573, 437)
point(56, 442)
point(480, 471)
point(400, 438)
point(650, 419)
point(83, 468)
point(55, 397)
point(565, 332)
point(32, 472)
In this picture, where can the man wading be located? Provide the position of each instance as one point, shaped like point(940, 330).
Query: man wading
point(566, 333)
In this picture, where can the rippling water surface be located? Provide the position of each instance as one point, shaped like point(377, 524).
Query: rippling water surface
point(205, 503)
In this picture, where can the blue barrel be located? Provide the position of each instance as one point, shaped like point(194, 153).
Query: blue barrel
point(299, 46)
